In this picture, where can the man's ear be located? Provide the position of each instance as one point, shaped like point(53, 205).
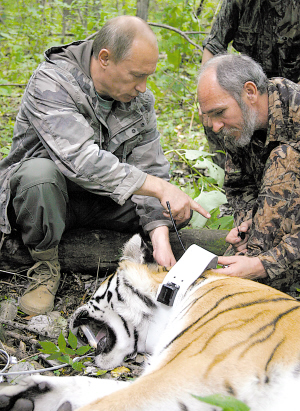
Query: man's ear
point(251, 92)
point(104, 57)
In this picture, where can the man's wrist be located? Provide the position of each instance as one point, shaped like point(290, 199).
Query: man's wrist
point(259, 269)
point(153, 186)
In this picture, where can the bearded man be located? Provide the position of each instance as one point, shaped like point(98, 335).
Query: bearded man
point(258, 120)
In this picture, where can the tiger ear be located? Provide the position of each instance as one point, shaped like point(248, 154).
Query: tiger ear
point(133, 250)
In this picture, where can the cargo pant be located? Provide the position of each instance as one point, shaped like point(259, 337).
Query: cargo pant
point(44, 204)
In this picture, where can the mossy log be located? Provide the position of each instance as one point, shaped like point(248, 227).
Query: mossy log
point(92, 251)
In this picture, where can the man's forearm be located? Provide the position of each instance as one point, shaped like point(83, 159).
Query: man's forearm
point(207, 55)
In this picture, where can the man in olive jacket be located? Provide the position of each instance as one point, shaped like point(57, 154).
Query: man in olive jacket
point(259, 122)
point(86, 153)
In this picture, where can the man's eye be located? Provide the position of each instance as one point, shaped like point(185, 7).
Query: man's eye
point(219, 113)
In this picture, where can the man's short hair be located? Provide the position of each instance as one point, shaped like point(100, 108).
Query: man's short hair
point(117, 36)
point(234, 70)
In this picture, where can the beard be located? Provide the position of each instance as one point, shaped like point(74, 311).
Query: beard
point(247, 127)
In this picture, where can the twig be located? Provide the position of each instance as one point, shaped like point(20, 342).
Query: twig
point(17, 274)
point(12, 285)
point(216, 187)
point(25, 327)
point(165, 26)
point(13, 85)
point(22, 337)
point(182, 33)
point(193, 115)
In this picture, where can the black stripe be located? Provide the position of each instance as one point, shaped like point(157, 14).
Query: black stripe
point(136, 338)
point(142, 297)
point(207, 312)
point(230, 389)
point(235, 307)
point(109, 295)
point(182, 407)
point(119, 297)
point(100, 297)
point(95, 307)
point(125, 325)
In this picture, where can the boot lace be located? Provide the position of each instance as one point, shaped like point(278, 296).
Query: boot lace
point(41, 276)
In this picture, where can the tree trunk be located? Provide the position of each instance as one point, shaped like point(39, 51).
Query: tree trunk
point(142, 9)
point(92, 251)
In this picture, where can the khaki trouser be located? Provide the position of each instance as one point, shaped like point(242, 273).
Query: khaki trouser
point(44, 204)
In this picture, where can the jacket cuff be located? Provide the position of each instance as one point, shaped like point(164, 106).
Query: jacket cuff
point(214, 46)
point(131, 183)
point(271, 264)
point(158, 223)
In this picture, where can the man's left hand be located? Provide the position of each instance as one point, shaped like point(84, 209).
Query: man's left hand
point(162, 251)
point(242, 266)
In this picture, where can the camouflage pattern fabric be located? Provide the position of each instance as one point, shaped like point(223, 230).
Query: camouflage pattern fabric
point(60, 118)
point(266, 30)
point(262, 181)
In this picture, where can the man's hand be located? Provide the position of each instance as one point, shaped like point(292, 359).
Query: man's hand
point(242, 266)
point(162, 251)
point(181, 204)
point(235, 236)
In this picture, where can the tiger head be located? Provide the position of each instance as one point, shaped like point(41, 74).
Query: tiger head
point(119, 314)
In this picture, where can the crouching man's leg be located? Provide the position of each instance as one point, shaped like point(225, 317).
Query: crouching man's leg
point(39, 201)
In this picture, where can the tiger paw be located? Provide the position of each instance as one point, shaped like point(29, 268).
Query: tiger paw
point(33, 393)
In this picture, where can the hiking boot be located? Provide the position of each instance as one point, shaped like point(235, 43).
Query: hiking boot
point(44, 276)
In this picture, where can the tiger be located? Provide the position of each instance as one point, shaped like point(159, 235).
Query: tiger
point(227, 335)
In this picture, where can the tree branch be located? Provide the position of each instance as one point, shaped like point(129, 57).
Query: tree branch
point(182, 33)
point(12, 85)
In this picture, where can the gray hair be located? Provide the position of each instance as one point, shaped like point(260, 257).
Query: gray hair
point(234, 70)
point(117, 36)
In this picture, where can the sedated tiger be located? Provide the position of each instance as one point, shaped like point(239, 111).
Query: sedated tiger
point(227, 335)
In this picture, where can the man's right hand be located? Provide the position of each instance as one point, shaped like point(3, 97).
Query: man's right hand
point(234, 238)
point(181, 204)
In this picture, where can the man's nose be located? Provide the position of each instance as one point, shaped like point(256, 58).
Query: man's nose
point(216, 125)
point(141, 86)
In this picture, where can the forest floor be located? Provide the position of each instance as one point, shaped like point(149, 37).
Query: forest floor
point(20, 337)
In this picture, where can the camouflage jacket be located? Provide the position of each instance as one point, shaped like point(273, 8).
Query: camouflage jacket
point(60, 118)
point(266, 30)
point(262, 181)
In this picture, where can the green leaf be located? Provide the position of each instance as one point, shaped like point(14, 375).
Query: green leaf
point(78, 366)
point(227, 403)
point(101, 372)
point(222, 223)
point(48, 347)
point(61, 342)
point(195, 154)
point(65, 359)
point(216, 172)
point(69, 351)
point(72, 340)
point(6, 35)
point(54, 356)
point(82, 350)
point(209, 201)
